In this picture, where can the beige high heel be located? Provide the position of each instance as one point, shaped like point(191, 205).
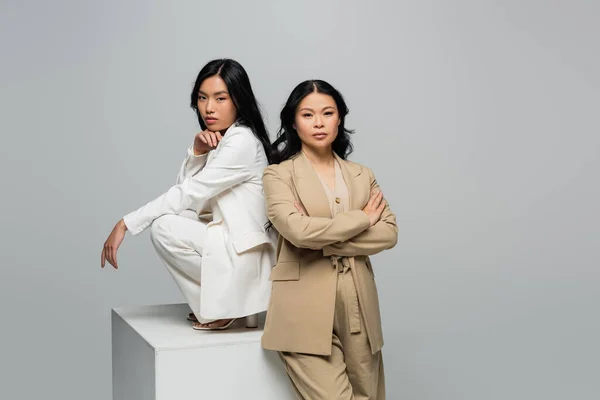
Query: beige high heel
point(251, 323)
point(216, 328)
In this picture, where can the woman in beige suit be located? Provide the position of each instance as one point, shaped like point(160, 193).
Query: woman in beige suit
point(323, 315)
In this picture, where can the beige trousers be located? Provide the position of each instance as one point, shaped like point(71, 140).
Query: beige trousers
point(351, 372)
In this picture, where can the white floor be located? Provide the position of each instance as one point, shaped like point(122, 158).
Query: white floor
point(158, 356)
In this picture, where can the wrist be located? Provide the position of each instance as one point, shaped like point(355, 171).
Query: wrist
point(198, 152)
point(121, 225)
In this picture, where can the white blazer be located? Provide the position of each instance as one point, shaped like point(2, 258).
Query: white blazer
point(238, 253)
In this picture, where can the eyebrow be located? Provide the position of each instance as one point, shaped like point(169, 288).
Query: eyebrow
point(215, 94)
point(310, 109)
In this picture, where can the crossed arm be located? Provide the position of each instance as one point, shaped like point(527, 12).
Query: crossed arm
point(347, 234)
point(379, 237)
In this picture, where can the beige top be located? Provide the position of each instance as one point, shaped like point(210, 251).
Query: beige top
point(338, 201)
point(338, 198)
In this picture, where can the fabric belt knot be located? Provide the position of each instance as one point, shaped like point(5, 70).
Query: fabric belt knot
point(342, 265)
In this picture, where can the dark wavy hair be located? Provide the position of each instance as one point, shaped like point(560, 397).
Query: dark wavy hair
point(240, 90)
point(288, 142)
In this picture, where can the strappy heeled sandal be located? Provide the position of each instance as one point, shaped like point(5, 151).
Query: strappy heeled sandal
point(251, 322)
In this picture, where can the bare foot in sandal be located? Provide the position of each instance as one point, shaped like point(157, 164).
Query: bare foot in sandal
point(214, 325)
point(192, 317)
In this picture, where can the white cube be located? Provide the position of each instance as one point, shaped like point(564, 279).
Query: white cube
point(156, 355)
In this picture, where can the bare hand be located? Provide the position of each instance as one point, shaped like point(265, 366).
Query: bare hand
point(206, 141)
point(375, 207)
point(109, 251)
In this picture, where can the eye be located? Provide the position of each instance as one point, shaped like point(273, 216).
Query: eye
point(201, 97)
point(307, 115)
point(221, 99)
point(328, 112)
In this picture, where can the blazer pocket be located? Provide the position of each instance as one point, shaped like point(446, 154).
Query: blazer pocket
point(249, 241)
point(286, 271)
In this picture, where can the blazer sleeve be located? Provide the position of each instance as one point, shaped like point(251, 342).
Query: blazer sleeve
point(230, 165)
point(192, 164)
point(381, 236)
point(305, 231)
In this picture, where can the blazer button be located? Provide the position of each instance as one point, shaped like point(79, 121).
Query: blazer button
point(337, 200)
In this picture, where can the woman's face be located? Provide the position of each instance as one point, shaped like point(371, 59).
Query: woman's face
point(317, 120)
point(215, 105)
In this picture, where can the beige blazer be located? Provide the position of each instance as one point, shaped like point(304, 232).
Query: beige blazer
point(301, 307)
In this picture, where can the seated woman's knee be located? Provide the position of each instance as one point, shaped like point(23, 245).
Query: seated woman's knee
point(159, 229)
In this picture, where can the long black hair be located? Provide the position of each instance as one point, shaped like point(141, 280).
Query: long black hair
point(288, 142)
point(240, 90)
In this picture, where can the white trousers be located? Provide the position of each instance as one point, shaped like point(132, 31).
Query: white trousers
point(178, 240)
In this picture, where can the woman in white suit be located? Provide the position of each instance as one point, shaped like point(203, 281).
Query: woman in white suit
point(209, 228)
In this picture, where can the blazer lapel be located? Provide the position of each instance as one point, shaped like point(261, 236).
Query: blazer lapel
point(212, 152)
point(358, 193)
point(309, 188)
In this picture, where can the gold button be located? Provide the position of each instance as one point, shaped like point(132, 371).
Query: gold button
point(337, 200)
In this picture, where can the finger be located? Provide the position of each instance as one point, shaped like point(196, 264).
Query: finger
point(107, 254)
point(371, 203)
point(219, 136)
point(209, 139)
point(111, 259)
point(375, 193)
point(203, 139)
point(378, 199)
point(213, 138)
point(114, 256)
point(102, 258)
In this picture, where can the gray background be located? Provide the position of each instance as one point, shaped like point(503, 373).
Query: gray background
point(479, 118)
